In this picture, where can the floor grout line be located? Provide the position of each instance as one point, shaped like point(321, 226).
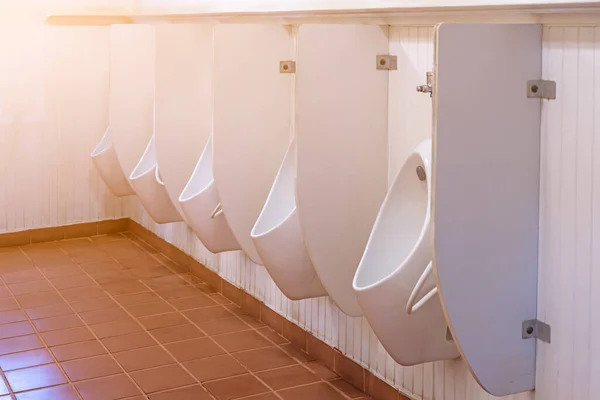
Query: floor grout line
point(190, 281)
point(92, 332)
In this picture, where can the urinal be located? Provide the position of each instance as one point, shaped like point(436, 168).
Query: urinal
point(107, 164)
point(200, 204)
point(393, 282)
point(150, 189)
point(278, 238)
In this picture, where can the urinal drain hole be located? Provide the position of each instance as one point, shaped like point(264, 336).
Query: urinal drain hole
point(421, 173)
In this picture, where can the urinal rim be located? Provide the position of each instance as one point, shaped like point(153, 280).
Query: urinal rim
point(293, 145)
point(425, 229)
point(137, 175)
point(95, 153)
point(283, 221)
point(181, 198)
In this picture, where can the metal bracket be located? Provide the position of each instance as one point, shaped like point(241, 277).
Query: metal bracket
point(541, 89)
point(287, 67)
point(536, 329)
point(387, 62)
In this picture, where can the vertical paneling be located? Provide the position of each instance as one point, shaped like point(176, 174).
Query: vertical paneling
point(53, 111)
point(569, 281)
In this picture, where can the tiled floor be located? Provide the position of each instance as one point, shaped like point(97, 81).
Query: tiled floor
point(108, 318)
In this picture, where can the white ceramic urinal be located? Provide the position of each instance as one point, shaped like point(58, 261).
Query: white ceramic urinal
point(393, 283)
point(107, 164)
point(150, 189)
point(278, 238)
point(200, 204)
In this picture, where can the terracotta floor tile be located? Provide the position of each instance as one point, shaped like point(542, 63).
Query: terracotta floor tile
point(125, 287)
point(194, 349)
point(128, 342)
point(20, 343)
point(347, 388)
point(236, 387)
point(102, 316)
point(90, 368)
point(208, 314)
point(136, 298)
point(4, 389)
point(83, 293)
point(35, 377)
point(74, 281)
point(180, 293)
point(7, 317)
point(227, 325)
point(262, 359)
point(176, 333)
point(15, 329)
point(25, 359)
point(151, 272)
point(78, 350)
point(250, 320)
point(219, 298)
point(59, 260)
point(107, 388)
point(147, 357)
point(297, 354)
point(170, 283)
point(321, 370)
point(39, 299)
point(63, 392)
point(272, 335)
point(147, 309)
point(4, 292)
point(139, 262)
point(55, 323)
point(30, 287)
point(240, 341)
point(207, 369)
point(66, 336)
point(8, 303)
point(62, 271)
point(115, 328)
point(87, 256)
point(101, 303)
point(187, 393)
point(162, 378)
point(282, 378)
point(49, 311)
point(101, 266)
point(163, 320)
point(189, 303)
point(264, 396)
point(113, 276)
point(317, 391)
point(27, 275)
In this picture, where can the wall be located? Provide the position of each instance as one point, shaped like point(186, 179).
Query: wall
point(53, 111)
point(47, 135)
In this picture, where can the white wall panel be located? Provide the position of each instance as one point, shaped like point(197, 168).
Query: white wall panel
point(53, 110)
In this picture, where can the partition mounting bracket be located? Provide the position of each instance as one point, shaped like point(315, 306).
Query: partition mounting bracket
point(387, 62)
point(541, 89)
point(534, 328)
point(287, 67)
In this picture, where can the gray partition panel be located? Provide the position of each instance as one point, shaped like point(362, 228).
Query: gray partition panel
point(486, 162)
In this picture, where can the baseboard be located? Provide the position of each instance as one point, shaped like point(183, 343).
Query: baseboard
point(53, 233)
point(304, 341)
